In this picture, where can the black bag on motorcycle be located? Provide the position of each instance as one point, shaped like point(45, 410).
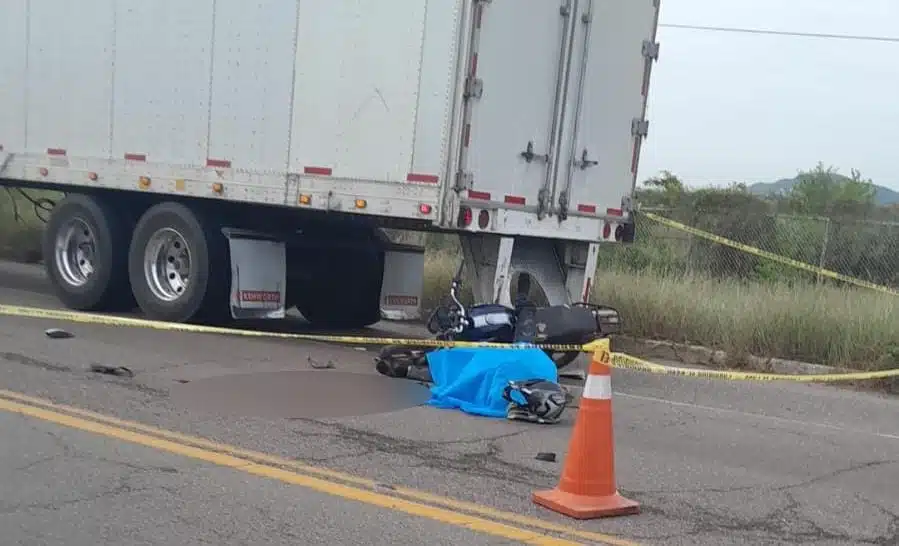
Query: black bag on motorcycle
point(561, 324)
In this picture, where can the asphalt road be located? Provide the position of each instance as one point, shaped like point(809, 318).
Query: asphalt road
point(72, 488)
point(710, 462)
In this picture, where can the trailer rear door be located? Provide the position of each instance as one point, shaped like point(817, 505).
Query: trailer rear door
point(612, 55)
point(518, 51)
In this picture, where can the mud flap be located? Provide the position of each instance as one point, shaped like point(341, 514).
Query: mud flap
point(258, 275)
point(401, 290)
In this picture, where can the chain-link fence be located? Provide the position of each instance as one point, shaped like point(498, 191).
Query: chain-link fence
point(868, 251)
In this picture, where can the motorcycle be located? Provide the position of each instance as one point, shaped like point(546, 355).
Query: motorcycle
point(576, 324)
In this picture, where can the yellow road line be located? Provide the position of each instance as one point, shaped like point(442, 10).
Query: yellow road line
point(262, 465)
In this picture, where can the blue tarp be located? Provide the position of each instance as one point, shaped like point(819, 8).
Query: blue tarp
point(473, 380)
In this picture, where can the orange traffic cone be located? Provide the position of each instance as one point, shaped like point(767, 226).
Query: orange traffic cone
point(587, 488)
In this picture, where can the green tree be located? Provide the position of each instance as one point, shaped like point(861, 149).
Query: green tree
point(665, 190)
point(825, 192)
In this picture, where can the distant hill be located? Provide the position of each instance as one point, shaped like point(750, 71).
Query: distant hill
point(882, 196)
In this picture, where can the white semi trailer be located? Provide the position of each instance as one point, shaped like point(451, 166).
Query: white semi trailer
point(224, 158)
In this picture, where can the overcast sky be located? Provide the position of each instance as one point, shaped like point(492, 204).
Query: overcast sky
point(740, 107)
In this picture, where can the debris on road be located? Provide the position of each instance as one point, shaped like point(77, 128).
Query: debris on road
point(329, 365)
point(547, 456)
point(119, 371)
point(56, 333)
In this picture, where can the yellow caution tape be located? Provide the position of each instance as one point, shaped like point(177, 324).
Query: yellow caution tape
point(111, 320)
point(770, 255)
point(619, 360)
point(625, 361)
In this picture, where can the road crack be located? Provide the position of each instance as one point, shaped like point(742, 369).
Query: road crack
point(484, 463)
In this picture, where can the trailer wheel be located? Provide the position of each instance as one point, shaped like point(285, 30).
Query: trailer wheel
point(349, 296)
point(177, 265)
point(85, 252)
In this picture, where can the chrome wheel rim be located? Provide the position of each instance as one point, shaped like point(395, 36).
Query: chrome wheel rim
point(76, 248)
point(167, 263)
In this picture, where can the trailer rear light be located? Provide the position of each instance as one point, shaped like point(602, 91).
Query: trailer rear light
point(606, 231)
point(44, 171)
point(361, 203)
point(92, 176)
point(218, 187)
point(483, 219)
point(305, 199)
point(144, 182)
point(465, 217)
point(424, 208)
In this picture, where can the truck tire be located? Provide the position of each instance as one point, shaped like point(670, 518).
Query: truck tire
point(178, 265)
point(85, 252)
point(349, 296)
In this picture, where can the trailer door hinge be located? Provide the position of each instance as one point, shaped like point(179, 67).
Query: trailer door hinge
point(541, 203)
point(639, 127)
point(563, 205)
point(474, 87)
point(651, 50)
point(463, 180)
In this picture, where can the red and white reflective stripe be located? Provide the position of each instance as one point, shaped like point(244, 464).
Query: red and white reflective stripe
point(56, 151)
point(614, 212)
point(515, 200)
point(135, 157)
point(589, 209)
point(598, 387)
point(420, 177)
point(482, 195)
point(318, 171)
point(218, 163)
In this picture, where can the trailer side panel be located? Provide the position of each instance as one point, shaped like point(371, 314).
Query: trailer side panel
point(162, 73)
point(252, 84)
point(13, 73)
point(69, 86)
point(358, 66)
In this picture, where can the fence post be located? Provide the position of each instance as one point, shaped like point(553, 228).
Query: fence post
point(821, 260)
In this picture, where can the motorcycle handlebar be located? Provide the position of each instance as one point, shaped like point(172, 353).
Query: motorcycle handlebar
point(460, 326)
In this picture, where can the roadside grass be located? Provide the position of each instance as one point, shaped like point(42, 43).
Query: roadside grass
point(845, 327)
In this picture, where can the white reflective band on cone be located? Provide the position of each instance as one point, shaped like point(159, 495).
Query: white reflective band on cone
point(598, 387)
